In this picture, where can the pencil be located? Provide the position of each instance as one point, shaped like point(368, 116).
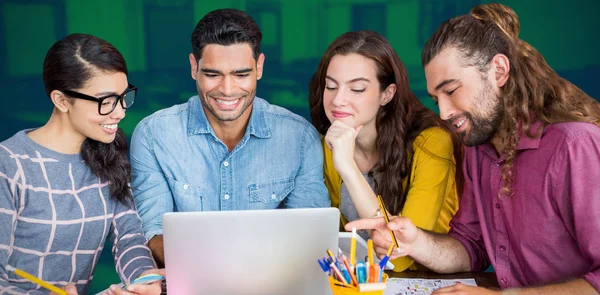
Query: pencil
point(387, 219)
point(389, 251)
point(370, 249)
point(350, 269)
point(353, 249)
point(35, 280)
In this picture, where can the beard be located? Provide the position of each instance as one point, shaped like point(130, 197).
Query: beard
point(486, 121)
point(482, 129)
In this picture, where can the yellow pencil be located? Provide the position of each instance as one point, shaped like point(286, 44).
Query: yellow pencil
point(333, 258)
point(389, 251)
point(353, 249)
point(387, 219)
point(35, 280)
point(370, 248)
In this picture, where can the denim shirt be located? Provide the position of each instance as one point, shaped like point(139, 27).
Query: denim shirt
point(178, 164)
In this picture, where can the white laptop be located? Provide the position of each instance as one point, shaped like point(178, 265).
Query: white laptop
point(249, 252)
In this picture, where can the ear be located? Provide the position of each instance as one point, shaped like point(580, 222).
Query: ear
point(259, 66)
point(501, 67)
point(193, 65)
point(387, 94)
point(60, 101)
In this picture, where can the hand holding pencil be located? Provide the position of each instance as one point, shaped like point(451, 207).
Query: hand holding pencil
point(67, 290)
point(404, 230)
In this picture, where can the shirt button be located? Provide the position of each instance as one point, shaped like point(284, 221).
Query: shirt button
point(503, 280)
point(273, 196)
point(225, 163)
point(497, 206)
point(185, 186)
point(502, 248)
point(497, 164)
point(226, 197)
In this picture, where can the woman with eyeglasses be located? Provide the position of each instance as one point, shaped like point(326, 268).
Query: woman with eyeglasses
point(64, 187)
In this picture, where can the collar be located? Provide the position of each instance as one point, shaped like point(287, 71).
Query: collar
point(198, 123)
point(525, 142)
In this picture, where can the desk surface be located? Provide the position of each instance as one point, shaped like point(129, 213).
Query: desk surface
point(483, 279)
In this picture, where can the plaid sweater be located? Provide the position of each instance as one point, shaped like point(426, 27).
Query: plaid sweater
point(55, 216)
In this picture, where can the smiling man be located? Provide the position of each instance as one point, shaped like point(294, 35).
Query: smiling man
point(532, 175)
point(225, 149)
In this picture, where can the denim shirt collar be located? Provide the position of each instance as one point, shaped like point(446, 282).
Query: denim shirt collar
point(198, 123)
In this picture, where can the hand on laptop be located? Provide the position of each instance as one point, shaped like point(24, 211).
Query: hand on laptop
point(140, 289)
point(406, 234)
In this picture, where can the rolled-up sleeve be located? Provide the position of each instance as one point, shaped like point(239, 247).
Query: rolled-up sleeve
point(132, 256)
point(151, 191)
point(465, 226)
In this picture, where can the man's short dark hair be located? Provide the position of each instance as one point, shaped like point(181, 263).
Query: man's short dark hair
point(226, 27)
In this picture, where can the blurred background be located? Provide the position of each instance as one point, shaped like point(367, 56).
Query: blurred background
point(154, 37)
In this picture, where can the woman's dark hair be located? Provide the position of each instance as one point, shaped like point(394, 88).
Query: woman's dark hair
point(533, 91)
point(68, 65)
point(398, 123)
point(226, 27)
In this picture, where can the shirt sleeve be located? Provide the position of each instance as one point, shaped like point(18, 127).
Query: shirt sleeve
point(152, 195)
point(131, 255)
point(577, 195)
point(465, 226)
point(309, 185)
point(8, 215)
point(432, 182)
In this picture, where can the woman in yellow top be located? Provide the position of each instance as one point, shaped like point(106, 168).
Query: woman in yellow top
point(380, 140)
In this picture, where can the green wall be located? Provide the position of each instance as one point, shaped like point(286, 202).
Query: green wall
point(154, 37)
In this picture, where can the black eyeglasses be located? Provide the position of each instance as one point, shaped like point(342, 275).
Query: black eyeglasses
point(108, 103)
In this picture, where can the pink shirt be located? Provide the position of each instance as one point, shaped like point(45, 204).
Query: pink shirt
point(549, 229)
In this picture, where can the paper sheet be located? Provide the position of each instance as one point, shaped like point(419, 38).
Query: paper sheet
point(397, 286)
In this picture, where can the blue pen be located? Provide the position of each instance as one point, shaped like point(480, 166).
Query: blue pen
point(385, 259)
point(346, 274)
point(324, 267)
point(383, 262)
point(331, 260)
point(361, 272)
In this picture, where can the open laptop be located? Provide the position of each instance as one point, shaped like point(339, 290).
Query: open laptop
point(249, 252)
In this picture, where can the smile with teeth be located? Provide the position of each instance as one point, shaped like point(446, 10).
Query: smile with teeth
point(461, 122)
point(111, 126)
point(227, 102)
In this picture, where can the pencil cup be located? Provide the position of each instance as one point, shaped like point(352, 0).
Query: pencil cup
point(339, 288)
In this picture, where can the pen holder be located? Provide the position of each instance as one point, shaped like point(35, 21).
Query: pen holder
point(339, 288)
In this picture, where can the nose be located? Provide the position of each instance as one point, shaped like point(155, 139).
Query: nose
point(118, 113)
point(227, 86)
point(447, 109)
point(339, 99)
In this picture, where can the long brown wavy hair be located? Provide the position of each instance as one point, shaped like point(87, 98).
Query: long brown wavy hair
point(398, 123)
point(534, 92)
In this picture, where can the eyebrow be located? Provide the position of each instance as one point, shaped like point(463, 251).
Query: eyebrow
point(234, 72)
point(105, 93)
point(108, 93)
point(442, 84)
point(351, 81)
